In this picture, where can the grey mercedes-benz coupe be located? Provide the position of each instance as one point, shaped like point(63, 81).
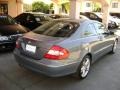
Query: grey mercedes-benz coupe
point(65, 46)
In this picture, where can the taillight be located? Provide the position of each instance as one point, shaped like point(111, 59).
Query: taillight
point(57, 53)
point(17, 44)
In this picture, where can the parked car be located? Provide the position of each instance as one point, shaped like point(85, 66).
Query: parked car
point(98, 16)
point(113, 21)
point(117, 20)
point(63, 47)
point(32, 20)
point(10, 30)
point(115, 14)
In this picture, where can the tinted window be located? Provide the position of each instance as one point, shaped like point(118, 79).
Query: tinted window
point(92, 16)
point(21, 17)
point(89, 31)
point(5, 20)
point(100, 28)
point(57, 29)
point(30, 18)
point(39, 18)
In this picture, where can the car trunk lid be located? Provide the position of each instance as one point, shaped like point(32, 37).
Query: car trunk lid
point(36, 45)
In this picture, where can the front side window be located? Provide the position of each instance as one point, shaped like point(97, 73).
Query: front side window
point(92, 16)
point(100, 28)
point(57, 29)
point(21, 17)
point(40, 18)
point(89, 31)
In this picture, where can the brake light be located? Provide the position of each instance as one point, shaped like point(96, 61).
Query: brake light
point(57, 53)
point(17, 44)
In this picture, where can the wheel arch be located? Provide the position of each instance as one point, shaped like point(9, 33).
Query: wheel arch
point(90, 55)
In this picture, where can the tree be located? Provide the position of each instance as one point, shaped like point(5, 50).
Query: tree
point(66, 7)
point(97, 7)
point(40, 7)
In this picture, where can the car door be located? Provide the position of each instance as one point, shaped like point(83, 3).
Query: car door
point(90, 40)
point(106, 40)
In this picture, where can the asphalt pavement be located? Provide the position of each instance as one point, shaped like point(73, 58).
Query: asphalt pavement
point(104, 75)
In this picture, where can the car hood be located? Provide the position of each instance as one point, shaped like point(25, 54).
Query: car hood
point(7, 30)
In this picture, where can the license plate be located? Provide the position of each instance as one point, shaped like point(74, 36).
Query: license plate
point(31, 48)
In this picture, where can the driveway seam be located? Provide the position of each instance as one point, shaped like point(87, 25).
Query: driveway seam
point(2, 73)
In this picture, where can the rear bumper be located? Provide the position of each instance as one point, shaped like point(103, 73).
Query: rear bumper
point(45, 67)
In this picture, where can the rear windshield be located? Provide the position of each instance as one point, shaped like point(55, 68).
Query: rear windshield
point(6, 20)
point(57, 28)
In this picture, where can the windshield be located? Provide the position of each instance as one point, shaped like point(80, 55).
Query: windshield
point(57, 28)
point(6, 20)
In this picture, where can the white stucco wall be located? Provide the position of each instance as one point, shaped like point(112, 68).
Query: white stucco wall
point(15, 7)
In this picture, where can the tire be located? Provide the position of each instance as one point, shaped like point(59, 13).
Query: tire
point(114, 47)
point(84, 67)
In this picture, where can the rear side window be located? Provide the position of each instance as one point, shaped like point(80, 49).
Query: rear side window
point(21, 17)
point(57, 29)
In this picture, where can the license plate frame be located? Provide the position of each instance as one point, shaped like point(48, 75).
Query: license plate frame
point(30, 48)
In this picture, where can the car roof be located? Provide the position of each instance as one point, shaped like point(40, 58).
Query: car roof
point(74, 20)
point(35, 12)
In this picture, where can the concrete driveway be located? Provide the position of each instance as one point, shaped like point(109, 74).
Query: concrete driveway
point(104, 75)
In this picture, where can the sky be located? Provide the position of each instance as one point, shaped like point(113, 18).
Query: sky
point(31, 1)
point(45, 1)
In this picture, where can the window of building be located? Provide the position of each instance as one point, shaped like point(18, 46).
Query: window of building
point(3, 8)
point(115, 5)
point(88, 4)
